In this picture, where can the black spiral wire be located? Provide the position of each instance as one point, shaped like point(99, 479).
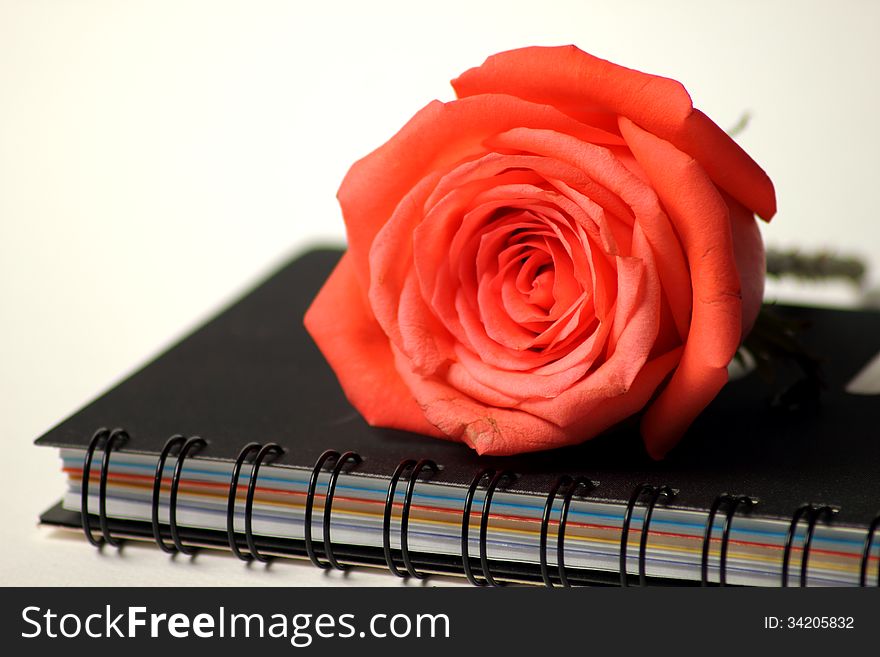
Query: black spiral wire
point(191, 445)
point(866, 553)
point(266, 451)
point(495, 479)
point(110, 439)
point(812, 513)
point(340, 461)
point(571, 487)
point(654, 493)
point(386, 520)
point(246, 451)
point(421, 466)
point(175, 442)
point(731, 503)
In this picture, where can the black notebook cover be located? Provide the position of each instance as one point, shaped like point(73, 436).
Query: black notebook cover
point(254, 374)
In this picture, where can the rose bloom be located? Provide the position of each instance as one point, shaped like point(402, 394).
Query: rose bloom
point(567, 243)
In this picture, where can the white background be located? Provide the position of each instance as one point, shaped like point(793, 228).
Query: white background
point(158, 157)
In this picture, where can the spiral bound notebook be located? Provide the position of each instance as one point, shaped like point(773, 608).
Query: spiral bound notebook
point(240, 438)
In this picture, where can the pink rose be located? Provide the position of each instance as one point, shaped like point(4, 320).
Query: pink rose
point(530, 264)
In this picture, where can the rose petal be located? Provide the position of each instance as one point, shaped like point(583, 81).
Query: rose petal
point(423, 338)
point(360, 355)
point(488, 430)
point(702, 220)
point(433, 141)
point(612, 175)
point(751, 261)
point(568, 78)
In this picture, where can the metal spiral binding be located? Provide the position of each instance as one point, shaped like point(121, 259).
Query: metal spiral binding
point(183, 447)
point(407, 506)
point(495, 479)
point(732, 504)
point(191, 445)
point(266, 451)
point(341, 460)
point(866, 552)
point(110, 439)
point(812, 513)
point(247, 450)
point(355, 458)
point(572, 486)
point(655, 493)
point(386, 522)
point(175, 441)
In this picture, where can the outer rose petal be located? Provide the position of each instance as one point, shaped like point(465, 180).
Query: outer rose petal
point(572, 80)
point(342, 324)
point(702, 220)
point(751, 262)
